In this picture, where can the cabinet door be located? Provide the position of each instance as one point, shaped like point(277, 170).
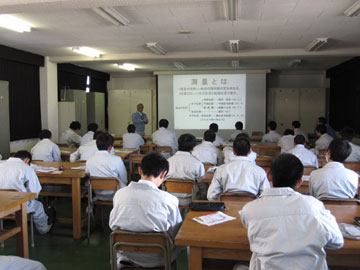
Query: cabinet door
point(5, 120)
point(312, 106)
point(119, 109)
point(144, 97)
point(80, 110)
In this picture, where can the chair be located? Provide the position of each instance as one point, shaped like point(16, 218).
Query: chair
point(99, 183)
point(308, 170)
point(237, 196)
point(340, 201)
point(180, 186)
point(207, 166)
point(355, 166)
point(166, 151)
point(134, 160)
point(144, 242)
point(257, 133)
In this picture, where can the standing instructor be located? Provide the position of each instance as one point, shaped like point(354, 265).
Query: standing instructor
point(140, 120)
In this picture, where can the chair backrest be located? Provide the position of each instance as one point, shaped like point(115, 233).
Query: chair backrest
point(238, 196)
point(104, 183)
point(161, 149)
point(264, 161)
point(179, 186)
point(339, 201)
point(134, 159)
point(207, 166)
point(257, 133)
point(308, 170)
point(8, 189)
point(143, 242)
point(355, 166)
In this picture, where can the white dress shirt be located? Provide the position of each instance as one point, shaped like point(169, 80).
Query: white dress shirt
point(239, 175)
point(355, 153)
point(271, 136)
point(88, 137)
point(104, 164)
point(18, 263)
point(218, 140)
point(84, 152)
point(70, 138)
point(143, 207)
point(333, 181)
point(288, 230)
point(298, 131)
point(207, 152)
point(323, 142)
point(234, 134)
point(307, 157)
point(165, 137)
point(286, 143)
point(229, 155)
point(132, 140)
point(46, 150)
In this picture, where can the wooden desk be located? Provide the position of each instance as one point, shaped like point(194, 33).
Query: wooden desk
point(207, 178)
point(229, 240)
point(66, 152)
point(15, 202)
point(266, 149)
point(147, 147)
point(125, 153)
point(67, 177)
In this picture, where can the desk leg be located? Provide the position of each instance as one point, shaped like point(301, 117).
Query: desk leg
point(195, 258)
point(22, 237)
point(76, 211)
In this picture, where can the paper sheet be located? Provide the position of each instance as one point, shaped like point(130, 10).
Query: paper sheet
point(213, 218)
point(79, 168)
point(44, 169)
point(212, 169)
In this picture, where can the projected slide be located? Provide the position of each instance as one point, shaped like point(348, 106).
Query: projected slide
point(202, 99)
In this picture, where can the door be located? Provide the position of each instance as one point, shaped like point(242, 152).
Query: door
point(5, 120)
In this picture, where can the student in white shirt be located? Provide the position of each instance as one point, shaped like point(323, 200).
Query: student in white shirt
point(143, 207)
point(288, 230)
point(286, 142)
point(85, 151)
point(45, 149)
point(18, 263)
point(272, 136)
point(16, 173)
point(239, 175)
point(239, 127)
point(307, 157)
point(228, 151)
point(322, 143)
point(132, 139)
point(207, 152)
point(70, 136)
point(89, 136)
point(348, 133)
point(218, 139)
point(164, 136)
point(334, 180)
point(297, 131)
point(104, 164)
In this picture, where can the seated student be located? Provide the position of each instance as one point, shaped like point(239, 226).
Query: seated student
point(143, 207)
point(218, 139)
point(104, 164)
point(239, 175)
point(286, 142)
point(45, 149)
point(229, 155)
point(70, 136)
point(330, 130)
point(347, 133)
point(334, 180)
point(16, 173)
point(307, 157)
point(322, 143)
point(288, 230)
point(272, 136)
point(85, 151)
point(207, 152)
point(297, 131)
point(132, 139)
point(89, 136)
point(18, 263)
point(164, 136)
point(185, 166)
point(239, 127)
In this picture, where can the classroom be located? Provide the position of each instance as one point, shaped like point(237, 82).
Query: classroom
point(130, 78)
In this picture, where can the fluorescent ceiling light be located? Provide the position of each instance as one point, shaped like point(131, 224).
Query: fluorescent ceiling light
point(112, 15)
point(235, 64)
point(316, 44)
point(353, 10)
point(179, 65)
point(230, 9)
point(156, 48)
point(15, 24)
point(127, 66)
point(294, 63)
point(234, 46)
point(86, 51)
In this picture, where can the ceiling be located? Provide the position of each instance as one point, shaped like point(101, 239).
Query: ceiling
point(271, 33)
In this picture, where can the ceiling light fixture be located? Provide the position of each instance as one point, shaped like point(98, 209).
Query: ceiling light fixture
point(112, 15)
point(316, 44)
point(234, 46)
point(294, 63)
point(14, 24)
point(354, 10)
point(179, 65)
point(87, 51)
point(230, 9)
point(156, 48)
point(127, 66)
point(235, 64)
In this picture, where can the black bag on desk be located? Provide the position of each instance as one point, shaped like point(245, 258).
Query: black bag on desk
point(207, 206)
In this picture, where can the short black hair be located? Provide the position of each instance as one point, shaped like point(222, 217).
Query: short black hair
point(104, 141)
point(214, 127)
point(296, 124)
point(288, 132)
point(153, 164)
point(272, 125)
point(97, 133)
point(339, 150)
point(243, 135)
point(239, 125)
point(209, 135)
point(322, 120)
point(75, 125)
point(241, 146)
point(347, 133)
point(321, 128)
point(286, 171)
point(45, 134)
point(186, 142)
point(163, 123)
point(23, 154)
point(131, 128)
point(93, 127)
point(299, 139)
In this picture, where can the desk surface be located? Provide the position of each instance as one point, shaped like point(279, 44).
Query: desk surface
point(68, 172)
point(9, 199)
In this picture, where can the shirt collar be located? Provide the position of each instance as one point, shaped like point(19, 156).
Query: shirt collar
point(148, 183)
point(208, 143)
point(184, 153)
point(162, 128)
point(15, 159)
point(140, 113)
point(243, 158)
point(284, 191)
point(334, 164)
point(272, 131)
point(300, 146)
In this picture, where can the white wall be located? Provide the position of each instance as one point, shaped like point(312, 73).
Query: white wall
point(26, 144)
point(298, 79)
